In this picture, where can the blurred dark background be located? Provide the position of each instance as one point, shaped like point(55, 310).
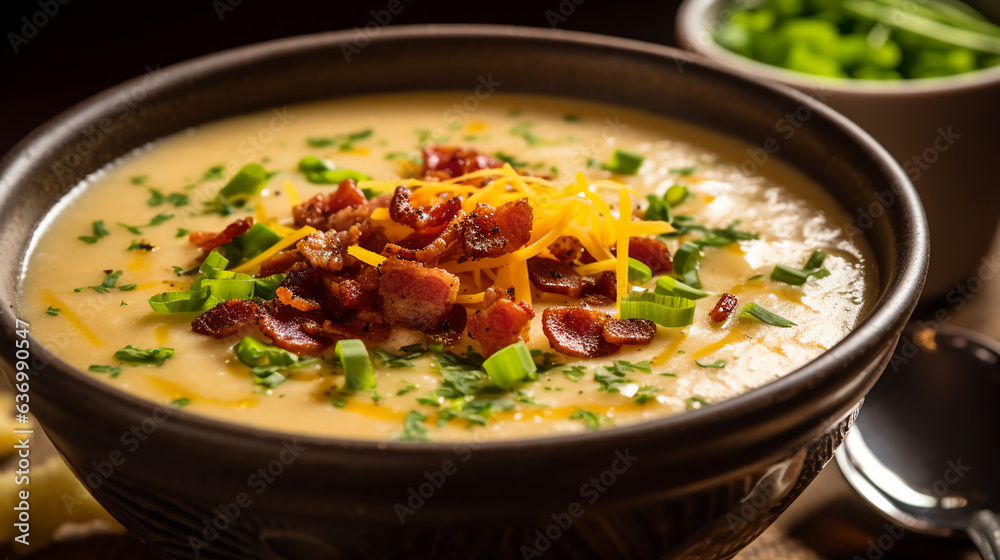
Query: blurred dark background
point(86, 47)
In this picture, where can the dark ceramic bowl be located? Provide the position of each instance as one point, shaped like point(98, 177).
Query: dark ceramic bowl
point(699, 485)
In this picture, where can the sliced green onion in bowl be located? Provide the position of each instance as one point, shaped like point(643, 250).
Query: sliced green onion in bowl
point(509, 365)
point(624, 162)
point(638, 272)
point(359, 375)
point(666, 311)
point(762, 314)
point(669, 286)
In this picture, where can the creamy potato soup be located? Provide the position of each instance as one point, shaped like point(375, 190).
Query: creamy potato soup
point(398, 268)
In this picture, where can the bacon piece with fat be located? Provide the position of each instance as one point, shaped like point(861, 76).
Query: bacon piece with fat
point(227, 318)
point(629, 331)
point(451, 327)
point(328, 249)
point(724, 308)
point(430, 245)
point(651, 252)
point(336, 211)
point(207, 240)
point(294, 330)
point(501, 321)
point(493, 231)
point(282, 262)
point(446, 162)
point(555, 277)
point(416, 296)
point(604, 289)
point(576, 331)
point(402, 211)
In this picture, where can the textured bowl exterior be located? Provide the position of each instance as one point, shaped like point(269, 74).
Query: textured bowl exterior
point(942, 131)
point(698, 485)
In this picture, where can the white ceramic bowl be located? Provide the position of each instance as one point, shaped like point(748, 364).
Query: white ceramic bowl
point(943, 131)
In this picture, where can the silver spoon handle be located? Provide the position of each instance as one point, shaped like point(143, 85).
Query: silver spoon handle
point(985, 532)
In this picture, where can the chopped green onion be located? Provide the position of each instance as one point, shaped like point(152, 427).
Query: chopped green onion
point(638, 272)
point(140, 356)
point(763, 315)
point(669, 286)
point(509, 365)
point(255, 241)
point(252, 353)
point(358, 371)
point(322, 172)
point(815, 260)
point(658, 209)
point(113, 371)
point(247, 182)
point(687, 257)
point(667, 311)
point(624, 162)
point(677, 194)
point(789, 275)
point(53, 311)
point(215, 286)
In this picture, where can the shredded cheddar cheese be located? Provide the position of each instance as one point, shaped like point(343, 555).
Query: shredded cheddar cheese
point(253, 264)
point(365, 256)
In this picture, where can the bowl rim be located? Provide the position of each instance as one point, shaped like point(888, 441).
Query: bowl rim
point(694, 18)
point(888, 312)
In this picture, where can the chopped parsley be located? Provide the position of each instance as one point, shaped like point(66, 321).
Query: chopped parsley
point(396, 361)
point(376, 397)
point(646, 393)
point(339, 402)
point(694, 403)
point(575, 373)
point(527, 398)
point(214, 172)
point(512, 160)
point(413, 157)
point(141, 245)
point(144, 357)
point(612, 380)
point(425, 135)
point(717, 364)
point(408, 386)
point(181, 232)
point(548, 360)
point(99, 232)
point(181, 402)
point(684, 171)
point(53, 311)
point(139, 179)
point(344, 142)
point(523, 130)
point(109, 282)
point(157, 220)
point(179, 270)
point(114, 371)
point(463, 374)
point(127, 287)
point(413, 428)
point(591, 419)
point(473, 412)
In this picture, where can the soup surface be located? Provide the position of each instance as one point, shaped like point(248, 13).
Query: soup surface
point(751, 322)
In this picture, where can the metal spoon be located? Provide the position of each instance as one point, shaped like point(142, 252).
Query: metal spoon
point(925, 450)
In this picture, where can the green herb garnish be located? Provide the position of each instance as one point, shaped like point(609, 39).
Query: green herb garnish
point(755, 311)
point(591, 419)
point(114, 371)
point(144, 357)
point(717, 364)
point(413, 427)
point(53, 311)
point(99, 232)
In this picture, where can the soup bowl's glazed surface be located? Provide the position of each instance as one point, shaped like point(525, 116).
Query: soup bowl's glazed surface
point(698, 485)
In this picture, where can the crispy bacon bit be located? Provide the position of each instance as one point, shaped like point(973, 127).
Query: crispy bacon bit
point(351, 295)
point(286, 297)
point(368, 325)
point(282, 263)
point(651, 252)
point(287, 328)
point(724, 308)
point(566, 248)
point(450, 329)
point(629, 331)
point(500, 322)
point(554, 277)
point(227, 318)
point(604, 289)
point(491, 232)
point(403, 212)
point(336, 211)
point(416, 296)
point(445, 162)
point(328, 249)
point(423, 248)
point(575, 331)
point(208, 240)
